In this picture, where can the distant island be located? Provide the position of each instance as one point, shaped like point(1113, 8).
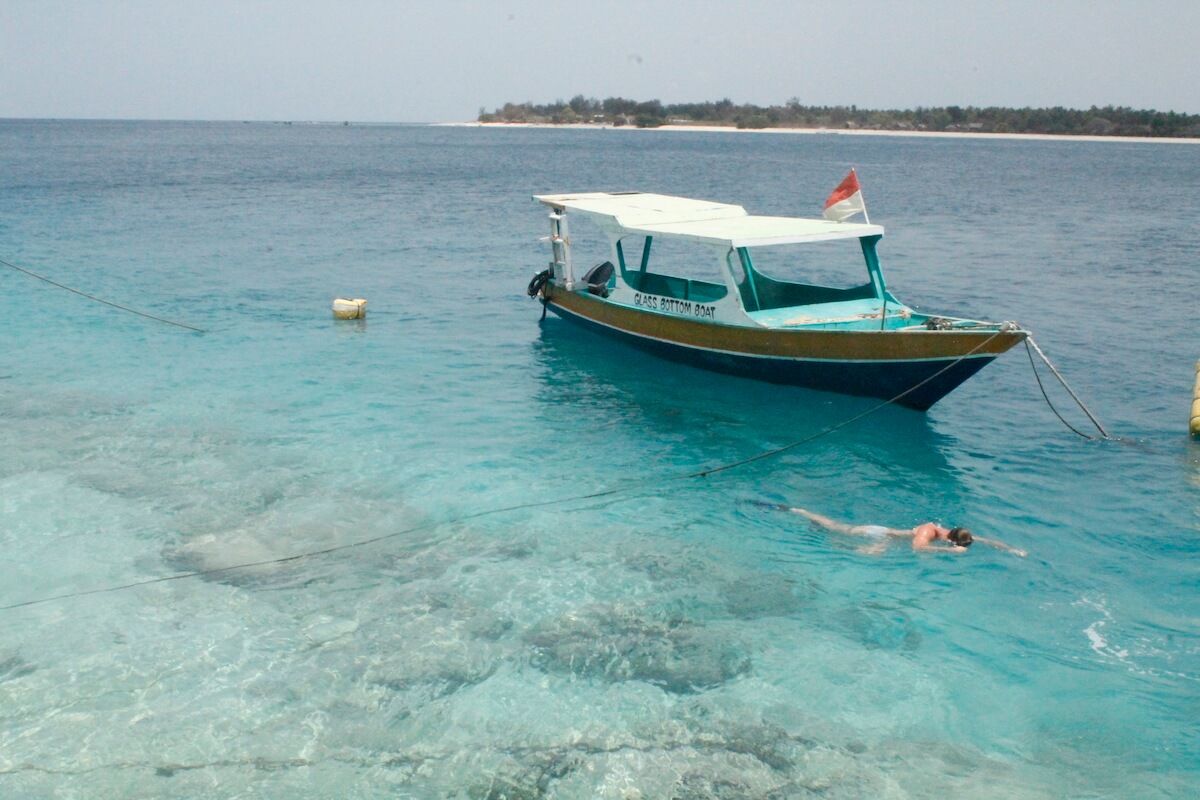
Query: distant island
point(618, 111)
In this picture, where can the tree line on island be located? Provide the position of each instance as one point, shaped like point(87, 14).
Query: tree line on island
point(619, 111)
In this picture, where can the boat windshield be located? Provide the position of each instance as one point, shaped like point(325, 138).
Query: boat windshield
point(589, 246)
point(803, 274)
point(837, 264)
point(664, 265)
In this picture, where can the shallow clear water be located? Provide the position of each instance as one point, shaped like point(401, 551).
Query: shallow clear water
point(674, 639)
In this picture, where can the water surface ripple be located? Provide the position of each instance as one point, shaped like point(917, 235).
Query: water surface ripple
point(676, 639)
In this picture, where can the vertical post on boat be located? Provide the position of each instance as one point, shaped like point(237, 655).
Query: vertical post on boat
point(748, 268)
point(868, 248)
point(872, 258)
point(560, 243)
point(645, 260)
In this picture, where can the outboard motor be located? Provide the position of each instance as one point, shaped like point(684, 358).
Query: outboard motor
point(597, 278)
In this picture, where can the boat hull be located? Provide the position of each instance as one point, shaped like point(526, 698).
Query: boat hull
point(914, 368)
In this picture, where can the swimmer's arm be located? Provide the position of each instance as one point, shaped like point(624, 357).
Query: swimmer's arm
point(931, 548)
point(1002, 546)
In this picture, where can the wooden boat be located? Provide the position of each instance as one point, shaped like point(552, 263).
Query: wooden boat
point(757, 311)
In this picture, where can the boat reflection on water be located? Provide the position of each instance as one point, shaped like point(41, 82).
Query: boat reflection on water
point(714, 419)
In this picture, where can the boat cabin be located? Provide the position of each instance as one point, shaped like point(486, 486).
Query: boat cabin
point(715, 262)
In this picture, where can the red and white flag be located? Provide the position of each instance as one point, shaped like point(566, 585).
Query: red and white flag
point(846, 200)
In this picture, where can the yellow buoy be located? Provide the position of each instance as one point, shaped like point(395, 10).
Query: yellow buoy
point(349, 309)
point(1195, 426)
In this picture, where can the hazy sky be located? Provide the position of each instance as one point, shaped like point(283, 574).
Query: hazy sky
point(370, 60)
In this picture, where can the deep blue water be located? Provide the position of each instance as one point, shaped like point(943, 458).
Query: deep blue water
point(675, 639)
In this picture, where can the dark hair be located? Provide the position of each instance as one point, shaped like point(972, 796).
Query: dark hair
point(961, 537)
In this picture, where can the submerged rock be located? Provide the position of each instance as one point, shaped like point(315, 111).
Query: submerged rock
point(680, 772)
point(532, 776)
point(701, 580)
point(617, 643)
point(436, 670)
point(877, 626)
point(14, 667)
point(239, 558)
point(766, 595)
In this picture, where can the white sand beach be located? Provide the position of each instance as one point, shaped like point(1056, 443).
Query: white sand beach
point(833, 132)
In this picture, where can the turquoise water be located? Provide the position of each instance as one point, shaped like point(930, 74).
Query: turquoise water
point(675, 639)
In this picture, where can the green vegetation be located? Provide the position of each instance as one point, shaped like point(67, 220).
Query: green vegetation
point(617, 111)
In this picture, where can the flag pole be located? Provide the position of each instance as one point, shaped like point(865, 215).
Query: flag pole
point(866, 218)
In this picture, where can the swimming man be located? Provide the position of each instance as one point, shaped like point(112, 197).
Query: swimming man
point(925, 536)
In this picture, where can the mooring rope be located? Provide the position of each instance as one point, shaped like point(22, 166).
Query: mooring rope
point(99, 299)
point(1004, 328)
point(621, 487)
point(310, 554)
point(1029, 342)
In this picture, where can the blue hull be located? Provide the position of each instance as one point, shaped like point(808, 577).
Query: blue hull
point(933, 379)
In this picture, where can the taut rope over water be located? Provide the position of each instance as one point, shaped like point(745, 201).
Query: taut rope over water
point(1029, 342)
point(98, 299)
point(618, 489)
point(1005, 327)
point(621, 487)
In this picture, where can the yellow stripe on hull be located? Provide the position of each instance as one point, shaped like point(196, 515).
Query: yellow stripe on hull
point(809, 345)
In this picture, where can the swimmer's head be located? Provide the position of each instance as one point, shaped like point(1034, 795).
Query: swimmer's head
point(960, 536)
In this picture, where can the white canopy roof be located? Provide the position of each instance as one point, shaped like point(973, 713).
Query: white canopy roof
point(702, 220)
